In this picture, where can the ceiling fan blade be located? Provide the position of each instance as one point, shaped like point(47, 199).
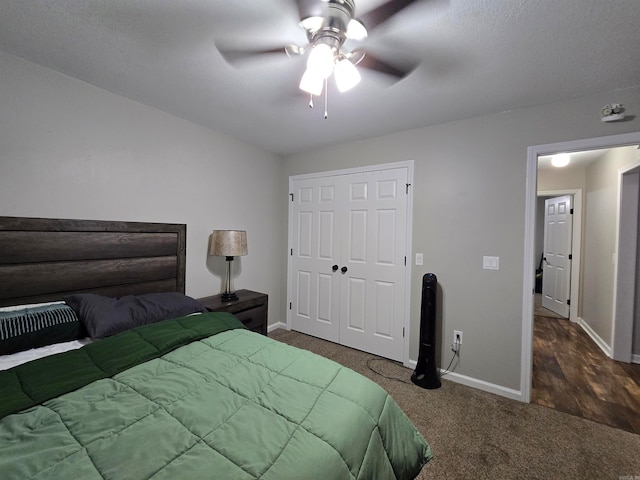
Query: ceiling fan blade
point(374, 63)
point(381, 14)
point(308, 8)
point(236, 56)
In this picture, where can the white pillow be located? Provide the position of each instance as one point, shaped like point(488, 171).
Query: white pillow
point(13, 308)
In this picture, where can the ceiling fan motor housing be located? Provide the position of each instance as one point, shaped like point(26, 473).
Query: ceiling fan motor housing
point(335, 20)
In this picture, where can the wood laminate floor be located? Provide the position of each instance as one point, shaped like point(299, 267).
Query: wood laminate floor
point(571, 374)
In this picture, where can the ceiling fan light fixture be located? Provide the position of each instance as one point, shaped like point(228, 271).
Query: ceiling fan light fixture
point(346, 74)
point(356, 30)
point(560, 160)
point(311, 82)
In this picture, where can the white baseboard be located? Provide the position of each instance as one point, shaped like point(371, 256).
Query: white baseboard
point(479, 384)
point(275, 326)
point(635, 358)
point(595, 337)
point(485, 386)
point(454, 377)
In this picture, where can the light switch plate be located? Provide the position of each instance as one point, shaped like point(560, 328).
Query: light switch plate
point(491, 263)
point(419, 258)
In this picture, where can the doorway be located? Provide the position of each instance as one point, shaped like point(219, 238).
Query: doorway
point(576, 195)
point(572, 372)
point(530, 262)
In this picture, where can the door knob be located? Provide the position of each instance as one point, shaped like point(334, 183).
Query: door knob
point(343, 269)
point(334, 268)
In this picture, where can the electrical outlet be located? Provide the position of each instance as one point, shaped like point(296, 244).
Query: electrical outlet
point(457, 337)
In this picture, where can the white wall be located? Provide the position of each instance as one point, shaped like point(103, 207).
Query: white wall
point(469, 202)
point(71, 150)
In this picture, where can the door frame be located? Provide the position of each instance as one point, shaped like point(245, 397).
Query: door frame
point(624, 302)
point(408, 164)
point(576, 244)
point(533, 152)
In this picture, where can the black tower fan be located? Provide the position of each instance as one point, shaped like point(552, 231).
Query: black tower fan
point(426, 373)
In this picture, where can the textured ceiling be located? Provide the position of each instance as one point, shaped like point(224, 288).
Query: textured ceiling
point(476, 57)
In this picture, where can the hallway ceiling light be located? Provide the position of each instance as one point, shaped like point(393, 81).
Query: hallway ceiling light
point(560, 160)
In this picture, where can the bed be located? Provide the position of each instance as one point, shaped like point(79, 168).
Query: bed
point(166, 389)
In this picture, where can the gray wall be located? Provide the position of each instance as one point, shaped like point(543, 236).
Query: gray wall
point(636, 313)
point(469, 202)
point(70, 150)
point(601, 207)
point(560, 179)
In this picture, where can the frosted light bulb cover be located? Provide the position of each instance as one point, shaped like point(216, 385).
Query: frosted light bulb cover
point(347, 75)
point(356, 30)
point(311, 82)
point(320, 60)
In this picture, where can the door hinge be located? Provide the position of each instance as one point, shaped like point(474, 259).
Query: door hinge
point(571, 211)
point(570, 257)
point(407, 185)
point(405, 260)
point(402, 332)
point(569, 302)
point(291, 194)
point(289, 305)
point(292, 252)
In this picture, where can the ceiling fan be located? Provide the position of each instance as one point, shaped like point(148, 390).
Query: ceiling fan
point(328, 24)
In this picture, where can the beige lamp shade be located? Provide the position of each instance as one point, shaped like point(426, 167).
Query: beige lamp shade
point(229, 243)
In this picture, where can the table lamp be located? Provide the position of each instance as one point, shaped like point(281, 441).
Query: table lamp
point(229, 244)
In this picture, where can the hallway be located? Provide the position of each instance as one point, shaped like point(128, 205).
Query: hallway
point(571, 374)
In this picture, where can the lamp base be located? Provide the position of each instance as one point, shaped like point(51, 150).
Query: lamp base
point(229, 296)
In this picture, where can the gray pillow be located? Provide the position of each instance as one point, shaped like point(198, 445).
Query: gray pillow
point(105, 316)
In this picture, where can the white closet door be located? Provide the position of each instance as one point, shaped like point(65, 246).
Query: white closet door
point(347, 268)
point(373, 287)
point(315, 257)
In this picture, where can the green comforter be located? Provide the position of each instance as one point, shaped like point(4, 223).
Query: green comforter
point(231, 405)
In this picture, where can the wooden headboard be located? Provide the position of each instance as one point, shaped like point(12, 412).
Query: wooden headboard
point(43, 259)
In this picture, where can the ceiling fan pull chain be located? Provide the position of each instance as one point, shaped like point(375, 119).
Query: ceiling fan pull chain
point(326, 99)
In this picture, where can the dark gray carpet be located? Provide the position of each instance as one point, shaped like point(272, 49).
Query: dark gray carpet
point(478, 435)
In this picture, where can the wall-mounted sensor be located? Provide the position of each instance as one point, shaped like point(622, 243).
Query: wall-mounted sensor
point(612, 112)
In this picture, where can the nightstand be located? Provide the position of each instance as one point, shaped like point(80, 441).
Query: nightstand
point(250, 308)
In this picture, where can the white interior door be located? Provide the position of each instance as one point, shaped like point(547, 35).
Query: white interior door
point(347, 262)
point(556, 278)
